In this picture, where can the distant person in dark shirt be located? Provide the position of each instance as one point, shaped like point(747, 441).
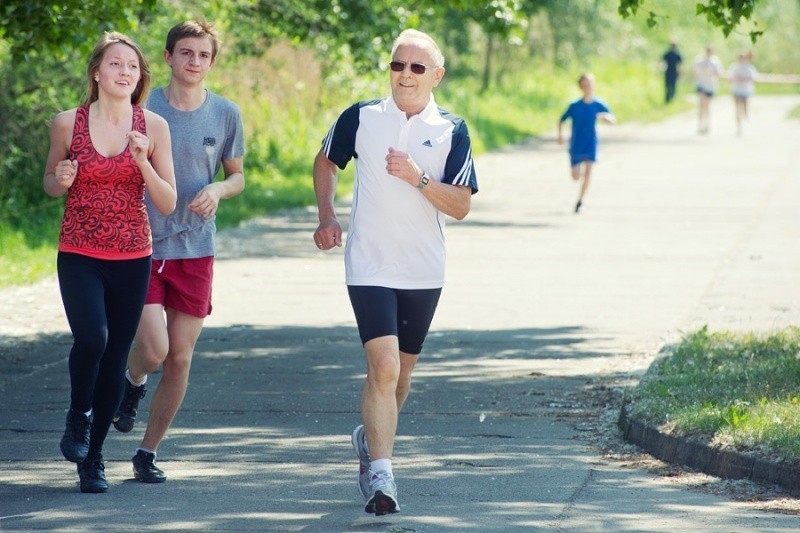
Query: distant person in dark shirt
point(671, 62)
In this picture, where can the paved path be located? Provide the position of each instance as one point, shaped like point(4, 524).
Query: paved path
point(541, 306)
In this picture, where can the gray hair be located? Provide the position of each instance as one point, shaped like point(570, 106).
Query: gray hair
point(418, 38)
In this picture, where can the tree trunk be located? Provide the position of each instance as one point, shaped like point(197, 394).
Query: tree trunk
point(487, 65)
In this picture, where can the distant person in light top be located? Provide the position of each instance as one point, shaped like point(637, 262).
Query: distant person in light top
point(583, 142)
point(207, 134)
point(742, 77)
point(706, 71)
point(413, 168)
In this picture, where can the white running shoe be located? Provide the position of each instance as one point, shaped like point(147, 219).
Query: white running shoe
point(360, 446)
point(383, 490)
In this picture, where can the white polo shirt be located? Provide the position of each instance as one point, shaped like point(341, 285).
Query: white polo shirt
point(396, 236)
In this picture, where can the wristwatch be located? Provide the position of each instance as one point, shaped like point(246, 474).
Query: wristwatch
point(423, 181)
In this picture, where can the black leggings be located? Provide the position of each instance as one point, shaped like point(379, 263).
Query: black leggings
point(103, 300)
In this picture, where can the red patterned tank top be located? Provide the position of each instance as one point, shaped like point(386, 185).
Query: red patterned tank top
point(105, 216)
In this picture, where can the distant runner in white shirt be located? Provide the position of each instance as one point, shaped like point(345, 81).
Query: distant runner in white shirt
point(742, 76)
point(706, 71)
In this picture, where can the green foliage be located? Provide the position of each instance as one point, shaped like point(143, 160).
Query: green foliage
point(737, 390)
point(359, 30)
point(727, 15)
point(634, 90)
point(42, 29)
point(519, 107)
point(27, 256)
point(362, 31)
point(28, 99)
point(724, 14)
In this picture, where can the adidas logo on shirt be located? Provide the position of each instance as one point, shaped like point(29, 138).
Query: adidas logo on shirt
point(428, 144)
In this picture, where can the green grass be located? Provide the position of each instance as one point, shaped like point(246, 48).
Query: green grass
point(733, 390)
point(635, 91)
point(24, 261)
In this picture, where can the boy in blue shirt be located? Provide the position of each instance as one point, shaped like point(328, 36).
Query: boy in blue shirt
point(584, 113)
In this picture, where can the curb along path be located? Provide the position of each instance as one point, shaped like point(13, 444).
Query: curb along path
point(707, 459)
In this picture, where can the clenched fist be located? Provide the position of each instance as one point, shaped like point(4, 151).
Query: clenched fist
point(138, 144)
point(65, 172)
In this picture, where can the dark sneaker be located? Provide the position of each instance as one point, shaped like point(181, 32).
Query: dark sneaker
point(75, 442)
point(578, 206)
point(92, 472)
point(360, 446)
point(383, 499)
point(145, 469)
point(126, 414)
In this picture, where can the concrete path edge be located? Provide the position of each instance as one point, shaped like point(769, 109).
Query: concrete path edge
point(700, 456)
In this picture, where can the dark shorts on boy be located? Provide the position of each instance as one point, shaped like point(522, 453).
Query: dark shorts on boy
point(707, 92)
point(405, 313)
point(182, 284)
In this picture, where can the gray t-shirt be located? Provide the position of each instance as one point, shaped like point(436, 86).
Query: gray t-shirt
point(201, 139)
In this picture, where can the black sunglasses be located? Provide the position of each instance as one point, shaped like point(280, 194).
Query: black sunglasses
point(416, 68)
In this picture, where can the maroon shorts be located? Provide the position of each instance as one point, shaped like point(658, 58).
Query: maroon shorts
point(182, 284)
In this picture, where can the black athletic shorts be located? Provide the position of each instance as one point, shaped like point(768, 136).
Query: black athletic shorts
point(405, 313)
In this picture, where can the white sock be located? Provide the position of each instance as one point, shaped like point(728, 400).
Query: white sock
point(89, 413)
point(145, 450)
point(130, 379)
point(381, 465)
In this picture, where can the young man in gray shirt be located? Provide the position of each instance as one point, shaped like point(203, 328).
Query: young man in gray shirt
point(207, 134)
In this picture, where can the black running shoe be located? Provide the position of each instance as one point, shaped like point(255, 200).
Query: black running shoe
point(578, 206)
point(145, 469)
point(75, 442)
point(126, 414)
point(92, 472)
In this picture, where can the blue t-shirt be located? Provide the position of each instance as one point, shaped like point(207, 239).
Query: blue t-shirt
point(583, 143)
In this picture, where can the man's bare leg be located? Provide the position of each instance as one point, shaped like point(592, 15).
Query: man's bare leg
point(407, 363)
point(379, 400)
point(183, 332)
